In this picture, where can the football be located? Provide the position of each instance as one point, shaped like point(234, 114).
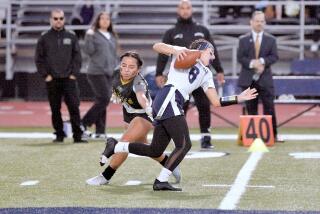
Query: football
point(189, 60)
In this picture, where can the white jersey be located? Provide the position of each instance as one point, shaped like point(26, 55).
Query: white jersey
point(181, 82)
point(188, 80)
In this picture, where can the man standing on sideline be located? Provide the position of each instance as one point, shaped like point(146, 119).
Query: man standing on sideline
point(182, 34)
point(58, 60)
point(257, 52)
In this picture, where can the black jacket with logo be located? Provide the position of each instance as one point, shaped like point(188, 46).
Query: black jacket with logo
point(58, 54)
point(183, 34)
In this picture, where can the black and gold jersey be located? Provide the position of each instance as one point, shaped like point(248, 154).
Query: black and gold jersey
point(126, 92)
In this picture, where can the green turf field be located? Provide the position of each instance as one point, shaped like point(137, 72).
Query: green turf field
point(63, 168)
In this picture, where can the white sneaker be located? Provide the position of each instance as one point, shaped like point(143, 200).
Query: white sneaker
point(177, 174)
point(97, 181)
point(98, 136)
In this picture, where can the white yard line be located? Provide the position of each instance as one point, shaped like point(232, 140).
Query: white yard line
point(228, 185)
point(232, 198)
point(194, 137)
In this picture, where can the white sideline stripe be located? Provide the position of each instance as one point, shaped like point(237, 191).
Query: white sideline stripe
point(228, 185)
point(194, 137)
point(132, 183)
point(29, 183)
point(232, 198)
point(305, 155)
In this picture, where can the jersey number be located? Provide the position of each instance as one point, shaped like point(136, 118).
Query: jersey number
point(193, 73)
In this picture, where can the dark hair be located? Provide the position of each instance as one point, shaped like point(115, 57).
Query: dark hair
point(200, 44)
point(133, 54)
point(96, 23)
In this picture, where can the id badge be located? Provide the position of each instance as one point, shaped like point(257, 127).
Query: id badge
point(67, 41)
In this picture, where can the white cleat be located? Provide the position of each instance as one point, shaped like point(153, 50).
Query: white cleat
point(97, 181)
point(177, 174)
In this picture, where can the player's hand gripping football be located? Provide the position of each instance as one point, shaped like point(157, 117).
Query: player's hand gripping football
point(248, 94)
point(181, 54)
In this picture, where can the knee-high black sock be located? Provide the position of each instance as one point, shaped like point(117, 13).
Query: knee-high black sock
point(108, 172)
point(163, 162)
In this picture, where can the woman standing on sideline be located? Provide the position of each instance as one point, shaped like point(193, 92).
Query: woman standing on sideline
point(101, 46)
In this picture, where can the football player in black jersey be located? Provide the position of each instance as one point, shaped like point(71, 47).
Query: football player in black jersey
point(131, 89)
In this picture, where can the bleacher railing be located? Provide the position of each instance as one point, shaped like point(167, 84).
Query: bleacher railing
point(202, 6)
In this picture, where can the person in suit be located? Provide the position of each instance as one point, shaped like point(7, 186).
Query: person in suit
point(256, 53)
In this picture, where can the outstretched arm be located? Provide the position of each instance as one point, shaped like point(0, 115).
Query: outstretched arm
point(217, 101)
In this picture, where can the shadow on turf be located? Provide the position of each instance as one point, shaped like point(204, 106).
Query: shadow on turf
point(124, 190)
point(45, 144)
point(147, 187)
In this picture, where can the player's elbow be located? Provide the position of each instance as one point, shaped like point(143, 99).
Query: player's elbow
point(157, 46)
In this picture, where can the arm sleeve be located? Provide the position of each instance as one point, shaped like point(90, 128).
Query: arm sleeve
point(207, 80)
point(242, 55)
point(272, 57)
point(40, 61)
point(76, 57)
point(89, 44)
point(139, 85)
point(162, 58)
point(216, 64)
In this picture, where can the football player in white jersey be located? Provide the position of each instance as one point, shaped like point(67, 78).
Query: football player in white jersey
point(167, 107)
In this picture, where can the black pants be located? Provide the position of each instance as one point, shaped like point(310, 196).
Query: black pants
point(203, 105)
point(67, 88)
point(102, 88)
point(267, 98)
point(174, 128)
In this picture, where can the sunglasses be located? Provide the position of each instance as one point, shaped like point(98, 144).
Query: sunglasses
point(58, 18)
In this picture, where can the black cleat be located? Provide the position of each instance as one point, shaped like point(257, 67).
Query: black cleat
point(80, 141)
point(108, 151)
point(206, 143)
point(59, 139)
point(164, 186)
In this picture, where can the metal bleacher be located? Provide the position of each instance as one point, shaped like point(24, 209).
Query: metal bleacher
point(140, 23)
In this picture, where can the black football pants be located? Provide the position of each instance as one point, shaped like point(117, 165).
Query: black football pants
point(203, 105)
point(174, 128)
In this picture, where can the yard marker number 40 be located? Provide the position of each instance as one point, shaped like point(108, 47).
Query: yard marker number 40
point(255, 126)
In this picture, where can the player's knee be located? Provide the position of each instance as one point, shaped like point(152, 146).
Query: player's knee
point(187, 147)
point(184, 147)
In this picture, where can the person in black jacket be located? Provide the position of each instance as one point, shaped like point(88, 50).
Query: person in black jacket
point(182, 34)
point(58, 60)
